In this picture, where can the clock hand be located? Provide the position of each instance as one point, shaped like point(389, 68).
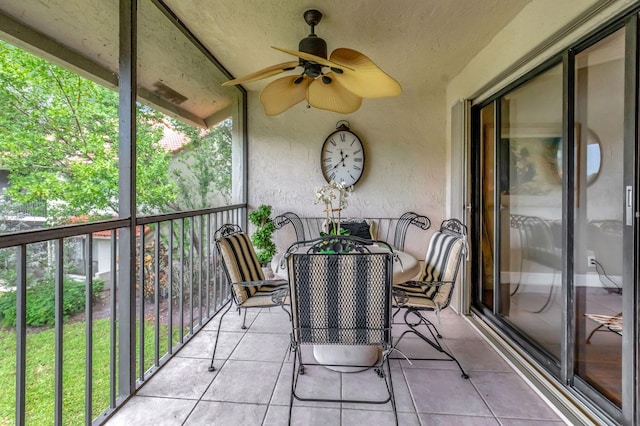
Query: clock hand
point(341, 161)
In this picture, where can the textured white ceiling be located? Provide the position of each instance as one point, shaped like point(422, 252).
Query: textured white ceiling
point(418, 42)
point(421, 43)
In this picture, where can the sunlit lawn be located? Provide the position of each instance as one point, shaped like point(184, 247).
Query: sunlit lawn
point(40, 371)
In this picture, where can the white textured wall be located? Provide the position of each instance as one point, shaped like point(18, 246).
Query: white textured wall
point(404, 139)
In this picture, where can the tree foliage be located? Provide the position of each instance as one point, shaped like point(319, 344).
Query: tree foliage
point(204, 175)
point(59, 141)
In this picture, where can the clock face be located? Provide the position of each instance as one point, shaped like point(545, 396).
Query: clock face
point(342, 158)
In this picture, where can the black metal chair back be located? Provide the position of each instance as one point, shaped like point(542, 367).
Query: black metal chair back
point(292, 219)
point(406, 220)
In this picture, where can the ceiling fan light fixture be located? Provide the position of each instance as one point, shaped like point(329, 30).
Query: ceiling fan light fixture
point(312, 70)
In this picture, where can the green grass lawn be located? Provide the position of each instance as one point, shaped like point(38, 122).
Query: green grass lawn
point(40, 371)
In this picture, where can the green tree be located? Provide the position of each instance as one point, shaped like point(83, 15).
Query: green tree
point(204, 171)
point(59, 141)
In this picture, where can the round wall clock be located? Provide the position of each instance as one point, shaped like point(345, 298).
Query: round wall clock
point(342, 156)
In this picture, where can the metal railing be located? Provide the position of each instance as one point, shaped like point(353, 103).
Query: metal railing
point(179, 287)
point(34, 209)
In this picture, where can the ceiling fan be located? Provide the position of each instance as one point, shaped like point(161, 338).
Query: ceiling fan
point(336, 84)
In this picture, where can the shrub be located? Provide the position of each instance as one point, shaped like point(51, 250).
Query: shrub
point(262, 239)
point(41, 302)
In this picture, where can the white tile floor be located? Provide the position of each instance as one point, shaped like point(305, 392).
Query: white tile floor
point(251, 385)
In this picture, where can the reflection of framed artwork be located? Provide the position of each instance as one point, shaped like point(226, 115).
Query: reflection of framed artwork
point(535, 157)
point(533, 163)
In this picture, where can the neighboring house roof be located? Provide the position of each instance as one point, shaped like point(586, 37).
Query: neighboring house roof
point(172, 140)
point(107, 233)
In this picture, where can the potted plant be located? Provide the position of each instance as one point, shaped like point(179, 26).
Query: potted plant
point(262, 238)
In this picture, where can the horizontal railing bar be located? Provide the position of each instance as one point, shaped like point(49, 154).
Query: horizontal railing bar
point(65, 231)
point(12, 239)
point(191, 213)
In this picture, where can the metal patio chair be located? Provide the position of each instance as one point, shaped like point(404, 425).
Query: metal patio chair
point(340, 294)
point(433, 290)
point(244, 274)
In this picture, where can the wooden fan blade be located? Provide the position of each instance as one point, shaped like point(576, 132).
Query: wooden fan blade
point(263, 73)
point(314, 58)
point(333, 96)
point(283, 93)
point(362, 77)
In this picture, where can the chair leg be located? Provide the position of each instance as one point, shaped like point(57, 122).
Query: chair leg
point(519, 276)
point(288, 313)
point(432, 342)
point(215, 345)
point(244, 320)
point(298, 369)
point(549, 297)
point(592, 332)
point(393, 317)
point(389, 385)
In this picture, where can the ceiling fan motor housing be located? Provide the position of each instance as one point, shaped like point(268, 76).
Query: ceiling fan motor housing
point(313, 45)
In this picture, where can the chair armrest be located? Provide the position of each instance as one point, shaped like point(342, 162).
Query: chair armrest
point(260, 283)
point(279, 297)
point(427, 283)
point(400, 296)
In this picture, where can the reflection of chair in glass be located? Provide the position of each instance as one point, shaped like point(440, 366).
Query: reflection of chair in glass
point(244, 274)
point(537, 245)
point(611, 323)
point(340, 298)
point(433, 291)
point(518, 222)
point(407, 219)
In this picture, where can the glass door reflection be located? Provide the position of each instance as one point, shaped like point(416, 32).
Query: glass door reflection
point(598, 228)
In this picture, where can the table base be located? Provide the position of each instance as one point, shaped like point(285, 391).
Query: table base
point(345, 355)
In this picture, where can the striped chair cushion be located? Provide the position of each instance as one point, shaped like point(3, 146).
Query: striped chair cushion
point(441, 262)
point(262, 296)
point(242, 265)
point(340, 298)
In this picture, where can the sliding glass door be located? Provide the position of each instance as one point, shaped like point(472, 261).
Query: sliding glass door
point(530, 209)
point(556, 193)
point(599, 214)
